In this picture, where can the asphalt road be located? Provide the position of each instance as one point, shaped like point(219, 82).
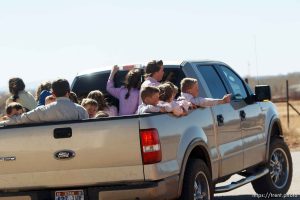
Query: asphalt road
point(246, 192)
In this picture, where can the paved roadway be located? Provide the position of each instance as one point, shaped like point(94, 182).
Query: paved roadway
point(246, 192)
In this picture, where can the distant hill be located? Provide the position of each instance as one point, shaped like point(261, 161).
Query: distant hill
point(278, 84)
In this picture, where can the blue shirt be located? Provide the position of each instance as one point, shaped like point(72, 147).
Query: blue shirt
point(43, 96)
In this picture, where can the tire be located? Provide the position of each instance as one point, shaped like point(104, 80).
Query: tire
point(197, 182)
point(279, 179)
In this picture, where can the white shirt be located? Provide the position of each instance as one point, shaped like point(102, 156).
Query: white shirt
point(25, 99)
point(61, 110)
point(173, 107)
point(143, 108)
point(150, 82)
point(198, 101)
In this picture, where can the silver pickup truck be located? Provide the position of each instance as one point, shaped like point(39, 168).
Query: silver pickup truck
point(152, 156)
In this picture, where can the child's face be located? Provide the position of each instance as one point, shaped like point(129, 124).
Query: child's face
point(153, 100)
point(194, 90)
point(15, 112)
point(92, 110)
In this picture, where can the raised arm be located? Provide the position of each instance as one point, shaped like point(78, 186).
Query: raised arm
point(209, 102)
point(33, 116)
point(110, 88)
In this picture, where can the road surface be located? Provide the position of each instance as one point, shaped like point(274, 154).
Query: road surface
point(246, 192)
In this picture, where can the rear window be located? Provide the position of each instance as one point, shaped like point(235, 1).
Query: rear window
point(82, 85)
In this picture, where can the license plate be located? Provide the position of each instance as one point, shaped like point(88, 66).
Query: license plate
point(69, 195)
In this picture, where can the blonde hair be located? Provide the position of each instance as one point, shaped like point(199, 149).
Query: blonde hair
point(43, 86)
point(187, 83)
point(89, 101)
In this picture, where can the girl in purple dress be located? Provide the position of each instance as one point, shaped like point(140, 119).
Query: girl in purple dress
point(128, 94)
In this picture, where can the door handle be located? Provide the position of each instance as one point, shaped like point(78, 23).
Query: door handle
point(60, 133)
point(242, 115)
point(220, 120)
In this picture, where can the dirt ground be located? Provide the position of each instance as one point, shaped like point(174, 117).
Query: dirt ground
point(291, 133)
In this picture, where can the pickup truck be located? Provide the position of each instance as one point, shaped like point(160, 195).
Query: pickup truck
point(152, 156)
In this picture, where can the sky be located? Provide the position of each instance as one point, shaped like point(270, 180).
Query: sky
point(44, 40)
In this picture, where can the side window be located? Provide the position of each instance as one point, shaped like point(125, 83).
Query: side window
point(213, 81)
point(173, 75)
point(235, 83)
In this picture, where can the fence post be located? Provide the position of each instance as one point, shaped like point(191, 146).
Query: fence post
point(287, 104)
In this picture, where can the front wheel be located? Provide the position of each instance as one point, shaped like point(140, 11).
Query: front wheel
point(279, 179)
point(197, 183)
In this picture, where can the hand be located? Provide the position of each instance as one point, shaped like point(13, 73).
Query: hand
point(162, 110)
point(227, 98)
point(193, 106)
point(115, 69)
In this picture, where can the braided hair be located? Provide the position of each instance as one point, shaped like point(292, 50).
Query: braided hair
point(15, 86)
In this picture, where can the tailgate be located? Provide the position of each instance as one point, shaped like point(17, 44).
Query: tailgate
point(104, 152)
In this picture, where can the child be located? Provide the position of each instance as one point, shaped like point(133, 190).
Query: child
point(13, 109)
point(166, 96)
point(150, 98)
point(190, 92)
point(91, 107)
point(73, 97)
point(42, 92)
point(102, 104)
point(185, 105)
point(50, 99)
point(128, 94)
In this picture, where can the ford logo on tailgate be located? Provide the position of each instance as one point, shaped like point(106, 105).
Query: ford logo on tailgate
point(64, 154)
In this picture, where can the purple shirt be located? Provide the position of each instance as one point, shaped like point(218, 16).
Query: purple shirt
point(126, 106)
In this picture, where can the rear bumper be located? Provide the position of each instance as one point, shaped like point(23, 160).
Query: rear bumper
point(163, 189)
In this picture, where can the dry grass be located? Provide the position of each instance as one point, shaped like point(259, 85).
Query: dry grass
point(291, 133)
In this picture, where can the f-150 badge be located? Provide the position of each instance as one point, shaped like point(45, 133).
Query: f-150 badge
point(64, 154)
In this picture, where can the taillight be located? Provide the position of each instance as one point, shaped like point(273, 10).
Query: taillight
point(150, 146)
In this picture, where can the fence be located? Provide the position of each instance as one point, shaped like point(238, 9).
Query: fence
point(289, 105)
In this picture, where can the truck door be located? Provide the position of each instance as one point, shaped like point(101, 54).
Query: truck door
point(227, 122)
point(251, 117)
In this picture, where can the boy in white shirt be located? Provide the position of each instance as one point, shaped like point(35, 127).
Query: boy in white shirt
point(150, 98)
point(190, 92)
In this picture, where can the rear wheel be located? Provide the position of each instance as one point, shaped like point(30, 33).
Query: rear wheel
point(279, 179)
point(197, 183)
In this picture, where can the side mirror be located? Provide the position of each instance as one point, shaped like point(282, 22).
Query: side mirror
point(262, 93)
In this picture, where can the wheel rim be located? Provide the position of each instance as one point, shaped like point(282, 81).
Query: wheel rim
point(201, 187)
point(279, 168)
